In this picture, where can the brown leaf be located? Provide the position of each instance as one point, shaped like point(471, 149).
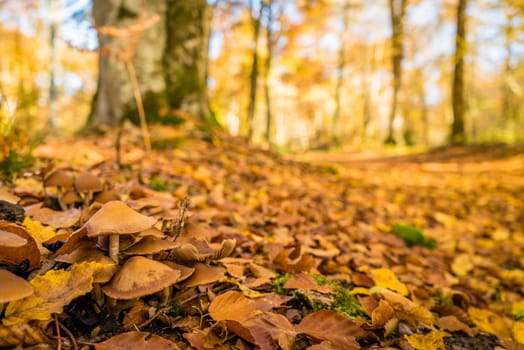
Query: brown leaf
point(284, 262)
point(278, 326)
point(233, 306)
point(204, 274)
point(24, 334)
point(452, 310)
point(331, 326)
point(136, 340)
point(451, 323)
point(383, 313)
point(57, 219)
point(303, 281)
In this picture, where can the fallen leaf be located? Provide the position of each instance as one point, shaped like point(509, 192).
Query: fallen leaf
point(136, 340)
point(303, 281)
point(23, 334)
point(52, 292)
point(385, 278)
point(38, 231)
point(462, 265)
point(518, 331)
point(331, 326)
point(451, 323)
point(232, 306)
point(490, 322)
point(431, 341)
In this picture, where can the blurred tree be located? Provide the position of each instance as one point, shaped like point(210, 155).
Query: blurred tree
point(458, 135)
point(397, 10)
point(256, 13)
point(169, 58)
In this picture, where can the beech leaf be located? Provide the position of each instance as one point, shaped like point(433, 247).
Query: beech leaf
point(136, 340)
point(233, 306)
point(52, 292)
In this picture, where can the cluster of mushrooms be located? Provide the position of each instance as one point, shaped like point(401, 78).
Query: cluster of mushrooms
point(139, 255)
point(152, 260)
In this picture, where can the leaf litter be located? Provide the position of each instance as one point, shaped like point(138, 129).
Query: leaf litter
point(270, 253)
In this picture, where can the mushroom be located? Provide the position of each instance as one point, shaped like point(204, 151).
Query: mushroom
point(150, 245)
point(13, 288)
point(106, 196)
point(141, 276)
point(70, 198)
point(62, 181)
point(87, 183)
point(115, 218)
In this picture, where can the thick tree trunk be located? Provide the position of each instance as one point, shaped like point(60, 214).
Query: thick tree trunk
point(458, 135)
point(169, 58)
point(397, 13)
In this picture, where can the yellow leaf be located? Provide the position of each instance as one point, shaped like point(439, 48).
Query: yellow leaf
point(431, 341)
point(52, 292)
point(38, 231)
point(462, 265)
point(490, 322)
point(385, 278)
point(518, 332)
point(250, 293)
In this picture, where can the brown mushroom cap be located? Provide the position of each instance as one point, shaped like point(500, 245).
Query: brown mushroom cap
point(71, 197)
point(150, 245)
point(106, 196)
point(87, 182)
point(13, 287)
point(139, 277)
point(11, 240)
point(58, 178)
point(116, 217)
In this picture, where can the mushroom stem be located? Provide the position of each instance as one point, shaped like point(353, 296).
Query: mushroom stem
point(165, 294)
point(59, 198)
point(98, 296)
point(114, 242)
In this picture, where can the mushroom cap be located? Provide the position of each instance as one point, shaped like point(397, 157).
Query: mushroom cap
point(11, 240)
point(58, 178)
point(106, 196)
point(150, 245)
point(116, 217)
point(87, 182)
point(140, 276)
point(13, 287)
point(71, 197)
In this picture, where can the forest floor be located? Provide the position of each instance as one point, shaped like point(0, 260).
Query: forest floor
point(320, 250)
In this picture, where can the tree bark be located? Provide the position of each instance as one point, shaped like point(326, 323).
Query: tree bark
point(267, 70)
point(253, 77)
point(458, 135)
point(340, 73)
point(169, 58)
point(397, 13)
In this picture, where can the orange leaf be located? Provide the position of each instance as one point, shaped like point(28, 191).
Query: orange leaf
point(233, 306)
point(136, 340)
point(332, 326)
point(303, 281)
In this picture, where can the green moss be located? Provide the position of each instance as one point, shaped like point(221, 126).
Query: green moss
point(413, 236)
point(278, 284)
point(154, 103)
point(444, 300)
point(347, 304)
point(166, 143)
point(158, 184)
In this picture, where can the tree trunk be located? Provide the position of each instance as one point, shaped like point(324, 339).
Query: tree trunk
point(397, 13)
point(340, 73)
point(169, 58)
point(458, 135)
point(267, 70)
point(254, 70)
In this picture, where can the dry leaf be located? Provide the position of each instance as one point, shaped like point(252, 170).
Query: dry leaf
point(451, 323)
point(57, 219)
point(331, 326)
point(490, 322)
point(431, 341)
point(24, 334)
point(303, 281)
point(232, 306)
point(381, 314)
point(518, 331)
point(19, 247)
point(38, 231)
point(462, 265)
point(52, 292)
point(136, 340)
point(385, 278)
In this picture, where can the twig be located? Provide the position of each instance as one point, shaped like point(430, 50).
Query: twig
point(139, 104)
point(158, 313)
point(70, 335)
point(58, 337)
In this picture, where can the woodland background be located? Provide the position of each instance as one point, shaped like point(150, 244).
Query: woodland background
point(320, 73)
